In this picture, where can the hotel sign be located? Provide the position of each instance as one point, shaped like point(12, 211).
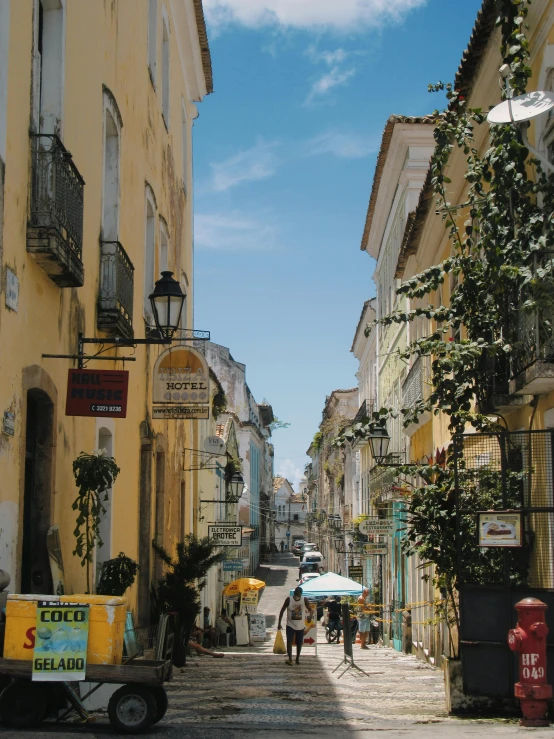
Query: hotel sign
point(181, 387)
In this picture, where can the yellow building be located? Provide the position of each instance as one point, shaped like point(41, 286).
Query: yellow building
point(521, 397)
point(97, 102)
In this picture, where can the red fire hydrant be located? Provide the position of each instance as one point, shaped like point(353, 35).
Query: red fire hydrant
point(529, 639)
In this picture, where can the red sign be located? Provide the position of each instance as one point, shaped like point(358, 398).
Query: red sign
point(100, 393)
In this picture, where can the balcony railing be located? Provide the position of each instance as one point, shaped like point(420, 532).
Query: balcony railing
point(364, 411)
point(417, 387)
point(533, 365)
point(55, 227)
point(115, 299)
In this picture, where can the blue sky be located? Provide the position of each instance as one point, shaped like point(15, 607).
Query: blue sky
point(284, 155)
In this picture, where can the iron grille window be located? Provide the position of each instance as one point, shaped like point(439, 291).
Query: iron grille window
point(535, 319)
point(55, 229)
point(115, 300)
point(57, 196)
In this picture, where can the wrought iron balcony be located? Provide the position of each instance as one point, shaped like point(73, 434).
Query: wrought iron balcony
point(55, 227)
point(415, 389)
point(115, 299)
point(364, 411)
point(533, 366)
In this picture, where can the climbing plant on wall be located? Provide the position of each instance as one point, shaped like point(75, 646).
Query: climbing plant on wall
point(506, 220)
point(94, 475)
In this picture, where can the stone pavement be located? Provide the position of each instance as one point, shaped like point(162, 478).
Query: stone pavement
point(252, 693)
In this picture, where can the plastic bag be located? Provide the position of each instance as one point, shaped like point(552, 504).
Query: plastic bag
point(279, 643)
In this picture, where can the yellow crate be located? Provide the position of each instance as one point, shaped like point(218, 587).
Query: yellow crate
point(106, 626)
point(21, 620)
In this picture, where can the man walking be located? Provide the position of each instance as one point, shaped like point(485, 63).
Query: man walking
point(364, 621)
point(298, 611)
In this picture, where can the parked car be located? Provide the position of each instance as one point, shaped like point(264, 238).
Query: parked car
point(297, 546)
point(315, 557)
point(311, 567)
point(308, 546)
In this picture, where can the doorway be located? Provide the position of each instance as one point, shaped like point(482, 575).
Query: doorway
point(39, 444)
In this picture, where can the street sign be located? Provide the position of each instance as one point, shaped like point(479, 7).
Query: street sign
point(226, 536)
point(376, 526)
point(288, 533)
point(230, 565)
point(214, 445)
point(98, 393)
point(356, 571)
point(370, 550)
point(181, 385)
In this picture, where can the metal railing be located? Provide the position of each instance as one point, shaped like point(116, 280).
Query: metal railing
point(364, 411)
point(57, 196)
point(115, 299)
point(415, 386)
point(535, 319)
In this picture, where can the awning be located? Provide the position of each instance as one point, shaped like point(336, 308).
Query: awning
point(330, 584)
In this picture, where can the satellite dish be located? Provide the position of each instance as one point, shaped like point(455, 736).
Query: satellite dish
point(522, 108)
point(214, 445)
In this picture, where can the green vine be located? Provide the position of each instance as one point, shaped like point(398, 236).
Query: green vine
point(219, 403)
point(506, 221)
point(94, 475)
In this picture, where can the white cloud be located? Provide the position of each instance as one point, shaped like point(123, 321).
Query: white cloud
point(257, 163)
point(339, 15)
point(331, 58)
point(334, 78)
point(232, 231)
point(341, 145)
point(293, 473)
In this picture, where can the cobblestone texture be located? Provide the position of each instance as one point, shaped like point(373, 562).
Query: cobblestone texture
point(252, 692)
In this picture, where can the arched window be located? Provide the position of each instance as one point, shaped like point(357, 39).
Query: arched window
point(152, 38)
point(165, 68)
point(149, 251)
point(110, 199)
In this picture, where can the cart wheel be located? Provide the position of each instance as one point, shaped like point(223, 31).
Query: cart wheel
point(161, 702)
point(22, 705)
point(132, 708)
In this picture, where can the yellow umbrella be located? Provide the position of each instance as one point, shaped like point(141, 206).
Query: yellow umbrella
point(242, 585)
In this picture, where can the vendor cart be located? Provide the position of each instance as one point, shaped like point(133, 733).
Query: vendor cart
point(140, 702)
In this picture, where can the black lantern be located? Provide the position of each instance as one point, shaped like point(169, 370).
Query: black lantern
point(235, 487)
point(339, 542)
point(379, 441)
point(167, 302)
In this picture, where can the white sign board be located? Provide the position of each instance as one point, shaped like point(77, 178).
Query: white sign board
point(214, 445)
point(257, 627)
point(226, 536)
point(12, 290)
point(370, 550)
point(376, 526)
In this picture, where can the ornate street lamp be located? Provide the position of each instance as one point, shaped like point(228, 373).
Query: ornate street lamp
point(235, 488)
point(379, 441)
point(167, 305)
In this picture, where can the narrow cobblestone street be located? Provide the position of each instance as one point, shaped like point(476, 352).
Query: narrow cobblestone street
point(251, 692)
